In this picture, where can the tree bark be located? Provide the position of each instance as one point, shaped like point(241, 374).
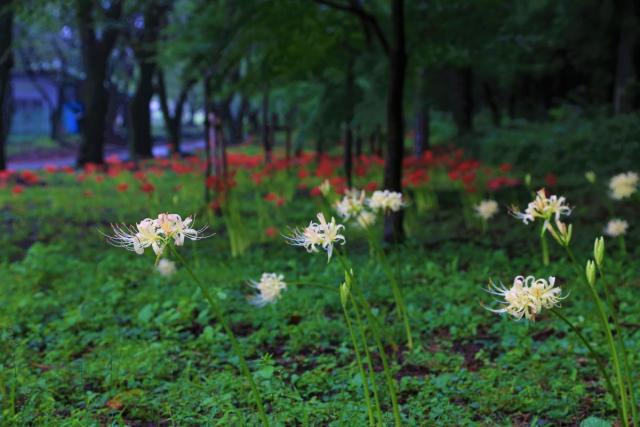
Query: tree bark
point(207, 136)
point(490, 95)
point(173, 122)
point(145, 48)
point(140, 138)
point(462, 92)
point(423, 118)
point(626, 77)
point(393, 231)
point(95, 55)
point(348, 123)
point(6, 63)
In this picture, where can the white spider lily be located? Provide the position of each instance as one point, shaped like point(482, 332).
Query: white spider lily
point(269, 287)
point(321, 234)
point(543, 207)
point(155, 233)
point(366, 219)
point(351, 204)
point(486, 209)
point(526, 297)
point(616, 228)
point(386, 201)
point(623, 185)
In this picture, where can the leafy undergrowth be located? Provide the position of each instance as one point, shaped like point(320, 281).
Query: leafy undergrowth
point(93, 335)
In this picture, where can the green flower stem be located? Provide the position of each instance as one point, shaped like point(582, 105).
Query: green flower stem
point(232, 338)
point(595, 357)
point(623, 350)
point(385, 364)
point(375, 331)
point(623, 246)
point(395, 288)
point(544, 247)
point(369, 361)
point(363, 376)
point(387, 336)
point(609, 336)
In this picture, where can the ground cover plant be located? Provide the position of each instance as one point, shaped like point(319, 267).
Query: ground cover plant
point(94, 335)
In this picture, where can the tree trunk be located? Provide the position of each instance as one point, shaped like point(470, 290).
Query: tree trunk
point(462, 92)
point(140, 136)
point(489, 93)
point(173, 123)
point(348, 136)
point(393, 231)
point(207, 136)
point(95, 55)
point(6, 63)
point(266, 131)
point(626, 77)
point(423, 119)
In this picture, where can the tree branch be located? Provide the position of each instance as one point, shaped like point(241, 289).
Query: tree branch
point(368, 20)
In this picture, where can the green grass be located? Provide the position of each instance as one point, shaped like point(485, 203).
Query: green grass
point(93, 335)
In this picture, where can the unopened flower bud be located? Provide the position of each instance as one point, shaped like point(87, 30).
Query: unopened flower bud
point(598, 251)
point(344, 294)
point(590, 176)
point(590, 272)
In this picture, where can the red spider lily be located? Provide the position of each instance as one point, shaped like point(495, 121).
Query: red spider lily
point(50, 168)
point(29, 177)
point(122, 187)
point(416, 178)
point(271, 197)
point(68, 170)
point(551, 180)
point(181, 168)
point(140, 176)
point(99, 179)
point(90, 168)
point(221, 184)
point(315, 192)
point(147, 187)
point(113, 159)
point(302, 173)
point(500, 182)
point(17, 189)
point(271, 232)
point(371, 186)
point(506, 167)
point(5, 175)
point(302, 186)
point(215, 205)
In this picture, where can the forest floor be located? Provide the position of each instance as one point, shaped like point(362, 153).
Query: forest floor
point(94, 335)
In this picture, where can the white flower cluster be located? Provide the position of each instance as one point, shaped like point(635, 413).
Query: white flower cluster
point(353, 206)
point(486, 209)
point(623, 185)
point(155, 233)
point(616, 228)
point(386, 201)
point(269, 287)
point(321, 234)
point(527, 296)
point(543, 207)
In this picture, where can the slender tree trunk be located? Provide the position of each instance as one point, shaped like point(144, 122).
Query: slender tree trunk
point(173, 123)
point(6, 63)
point(490, 95)
point(462, 92)
point(266, 131)
point(423, 122)
point(626, 74)
point(393, 231)
point(95, 55)
point(207, 136)
point(358, 142)
point(140, 136)
point(348, 136)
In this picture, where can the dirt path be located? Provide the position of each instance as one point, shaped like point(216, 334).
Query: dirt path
point(69, 158)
